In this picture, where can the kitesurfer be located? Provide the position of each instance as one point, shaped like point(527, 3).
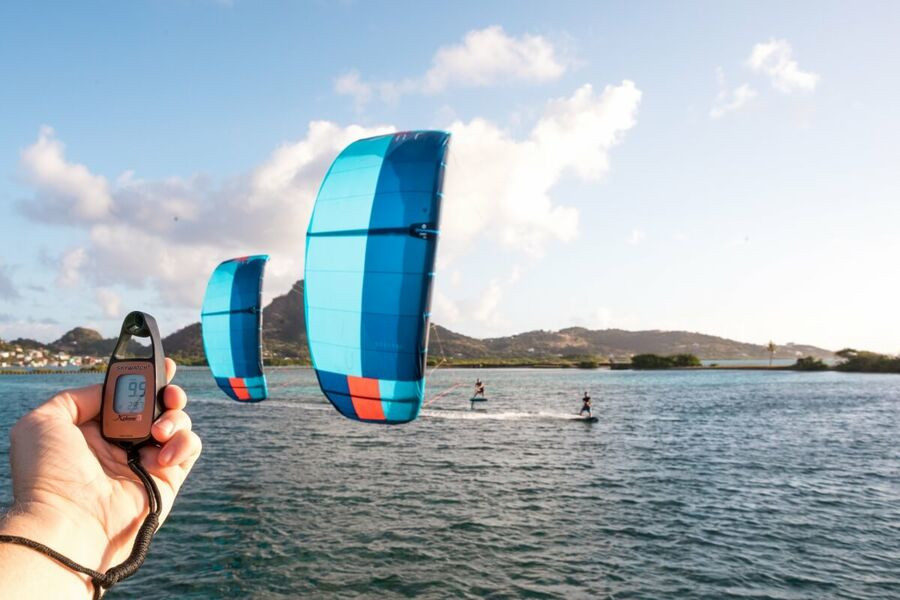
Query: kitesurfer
point(91, 512)
point(479, 388)
point(585, 405)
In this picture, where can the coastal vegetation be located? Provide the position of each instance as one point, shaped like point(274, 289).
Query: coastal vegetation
point(54, 371)
point(559, 362)
point(655, 361)
point(860, 361)
point(855, 361)
point(535, 362)
point(809, 363)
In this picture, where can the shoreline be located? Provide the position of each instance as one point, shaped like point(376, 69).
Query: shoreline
point(46, 371)
point(488, 365)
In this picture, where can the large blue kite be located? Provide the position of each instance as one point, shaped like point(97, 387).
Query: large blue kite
point(370, 252)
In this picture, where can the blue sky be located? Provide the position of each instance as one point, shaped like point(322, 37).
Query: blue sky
point(717, 167)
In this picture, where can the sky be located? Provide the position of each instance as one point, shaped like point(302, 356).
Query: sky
point(726, 168)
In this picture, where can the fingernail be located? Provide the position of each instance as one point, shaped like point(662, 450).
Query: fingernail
point(166, 427)
point(165, 455)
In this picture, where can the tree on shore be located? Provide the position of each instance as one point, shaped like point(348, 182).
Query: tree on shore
point(654, 361)
point(810, 363)
point(867, 362)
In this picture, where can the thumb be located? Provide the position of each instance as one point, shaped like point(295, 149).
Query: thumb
point(76, 406)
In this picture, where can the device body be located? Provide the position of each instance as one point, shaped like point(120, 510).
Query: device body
point(133, 387)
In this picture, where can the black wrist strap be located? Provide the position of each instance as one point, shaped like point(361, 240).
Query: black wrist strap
point(129, 566)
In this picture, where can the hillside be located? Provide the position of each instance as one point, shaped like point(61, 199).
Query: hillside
point(284, 337)
point(284, 341)
point(284, 332)
point(187, 342)
point(620, 343)
point(284, 326)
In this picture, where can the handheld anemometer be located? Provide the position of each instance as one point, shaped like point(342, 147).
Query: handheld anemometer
point(132, 390)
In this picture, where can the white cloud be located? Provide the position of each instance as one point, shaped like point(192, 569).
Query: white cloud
point(109, 301)
point(484, 57)
point(730, 101)
point(496, 182)
point(775, 59)
point(489, 55)
point(636, 237)
point(67, 191)
point(167, 235)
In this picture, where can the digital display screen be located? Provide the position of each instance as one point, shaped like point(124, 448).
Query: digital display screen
point(131, 390)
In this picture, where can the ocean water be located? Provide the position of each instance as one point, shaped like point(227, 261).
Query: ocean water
point(705, 484)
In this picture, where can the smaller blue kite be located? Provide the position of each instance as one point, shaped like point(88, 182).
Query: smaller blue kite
point(231, 319)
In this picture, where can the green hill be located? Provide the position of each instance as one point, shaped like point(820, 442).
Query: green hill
point(284, 342)
point(284, 338)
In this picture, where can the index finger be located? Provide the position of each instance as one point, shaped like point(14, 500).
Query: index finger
point(81, 405)
point(171, 367)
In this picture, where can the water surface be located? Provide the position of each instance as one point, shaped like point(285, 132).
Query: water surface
point(704, 484)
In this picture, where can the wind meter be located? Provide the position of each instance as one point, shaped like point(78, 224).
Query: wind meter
point(132, 391)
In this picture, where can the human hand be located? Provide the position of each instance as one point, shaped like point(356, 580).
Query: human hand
point(74, 491)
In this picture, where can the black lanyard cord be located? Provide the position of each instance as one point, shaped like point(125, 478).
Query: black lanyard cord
point(130, 565)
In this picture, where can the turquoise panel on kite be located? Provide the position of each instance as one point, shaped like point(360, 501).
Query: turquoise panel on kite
point(231, 319)
point(370, 252)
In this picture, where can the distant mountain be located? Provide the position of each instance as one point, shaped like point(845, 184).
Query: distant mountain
point(284, 339)
point(620, 343)
point(608, 343)
point(79, 341)
point(82, 340)
point(187, 341)
point(284, 326)
point(284, 336)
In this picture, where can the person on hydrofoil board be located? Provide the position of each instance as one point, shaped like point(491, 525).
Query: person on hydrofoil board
point(585, 406)
point(479, 389)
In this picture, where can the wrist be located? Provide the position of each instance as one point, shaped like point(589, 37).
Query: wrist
point(28, 573)
point(78, 537)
